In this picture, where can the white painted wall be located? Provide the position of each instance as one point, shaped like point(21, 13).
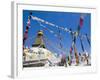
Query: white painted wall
point(5, 39)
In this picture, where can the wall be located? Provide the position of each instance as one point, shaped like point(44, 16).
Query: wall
point(5, 39)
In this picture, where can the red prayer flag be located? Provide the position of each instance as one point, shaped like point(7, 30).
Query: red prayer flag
point(81, 21)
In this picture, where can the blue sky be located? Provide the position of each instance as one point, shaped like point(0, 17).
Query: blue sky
point(63, 19)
